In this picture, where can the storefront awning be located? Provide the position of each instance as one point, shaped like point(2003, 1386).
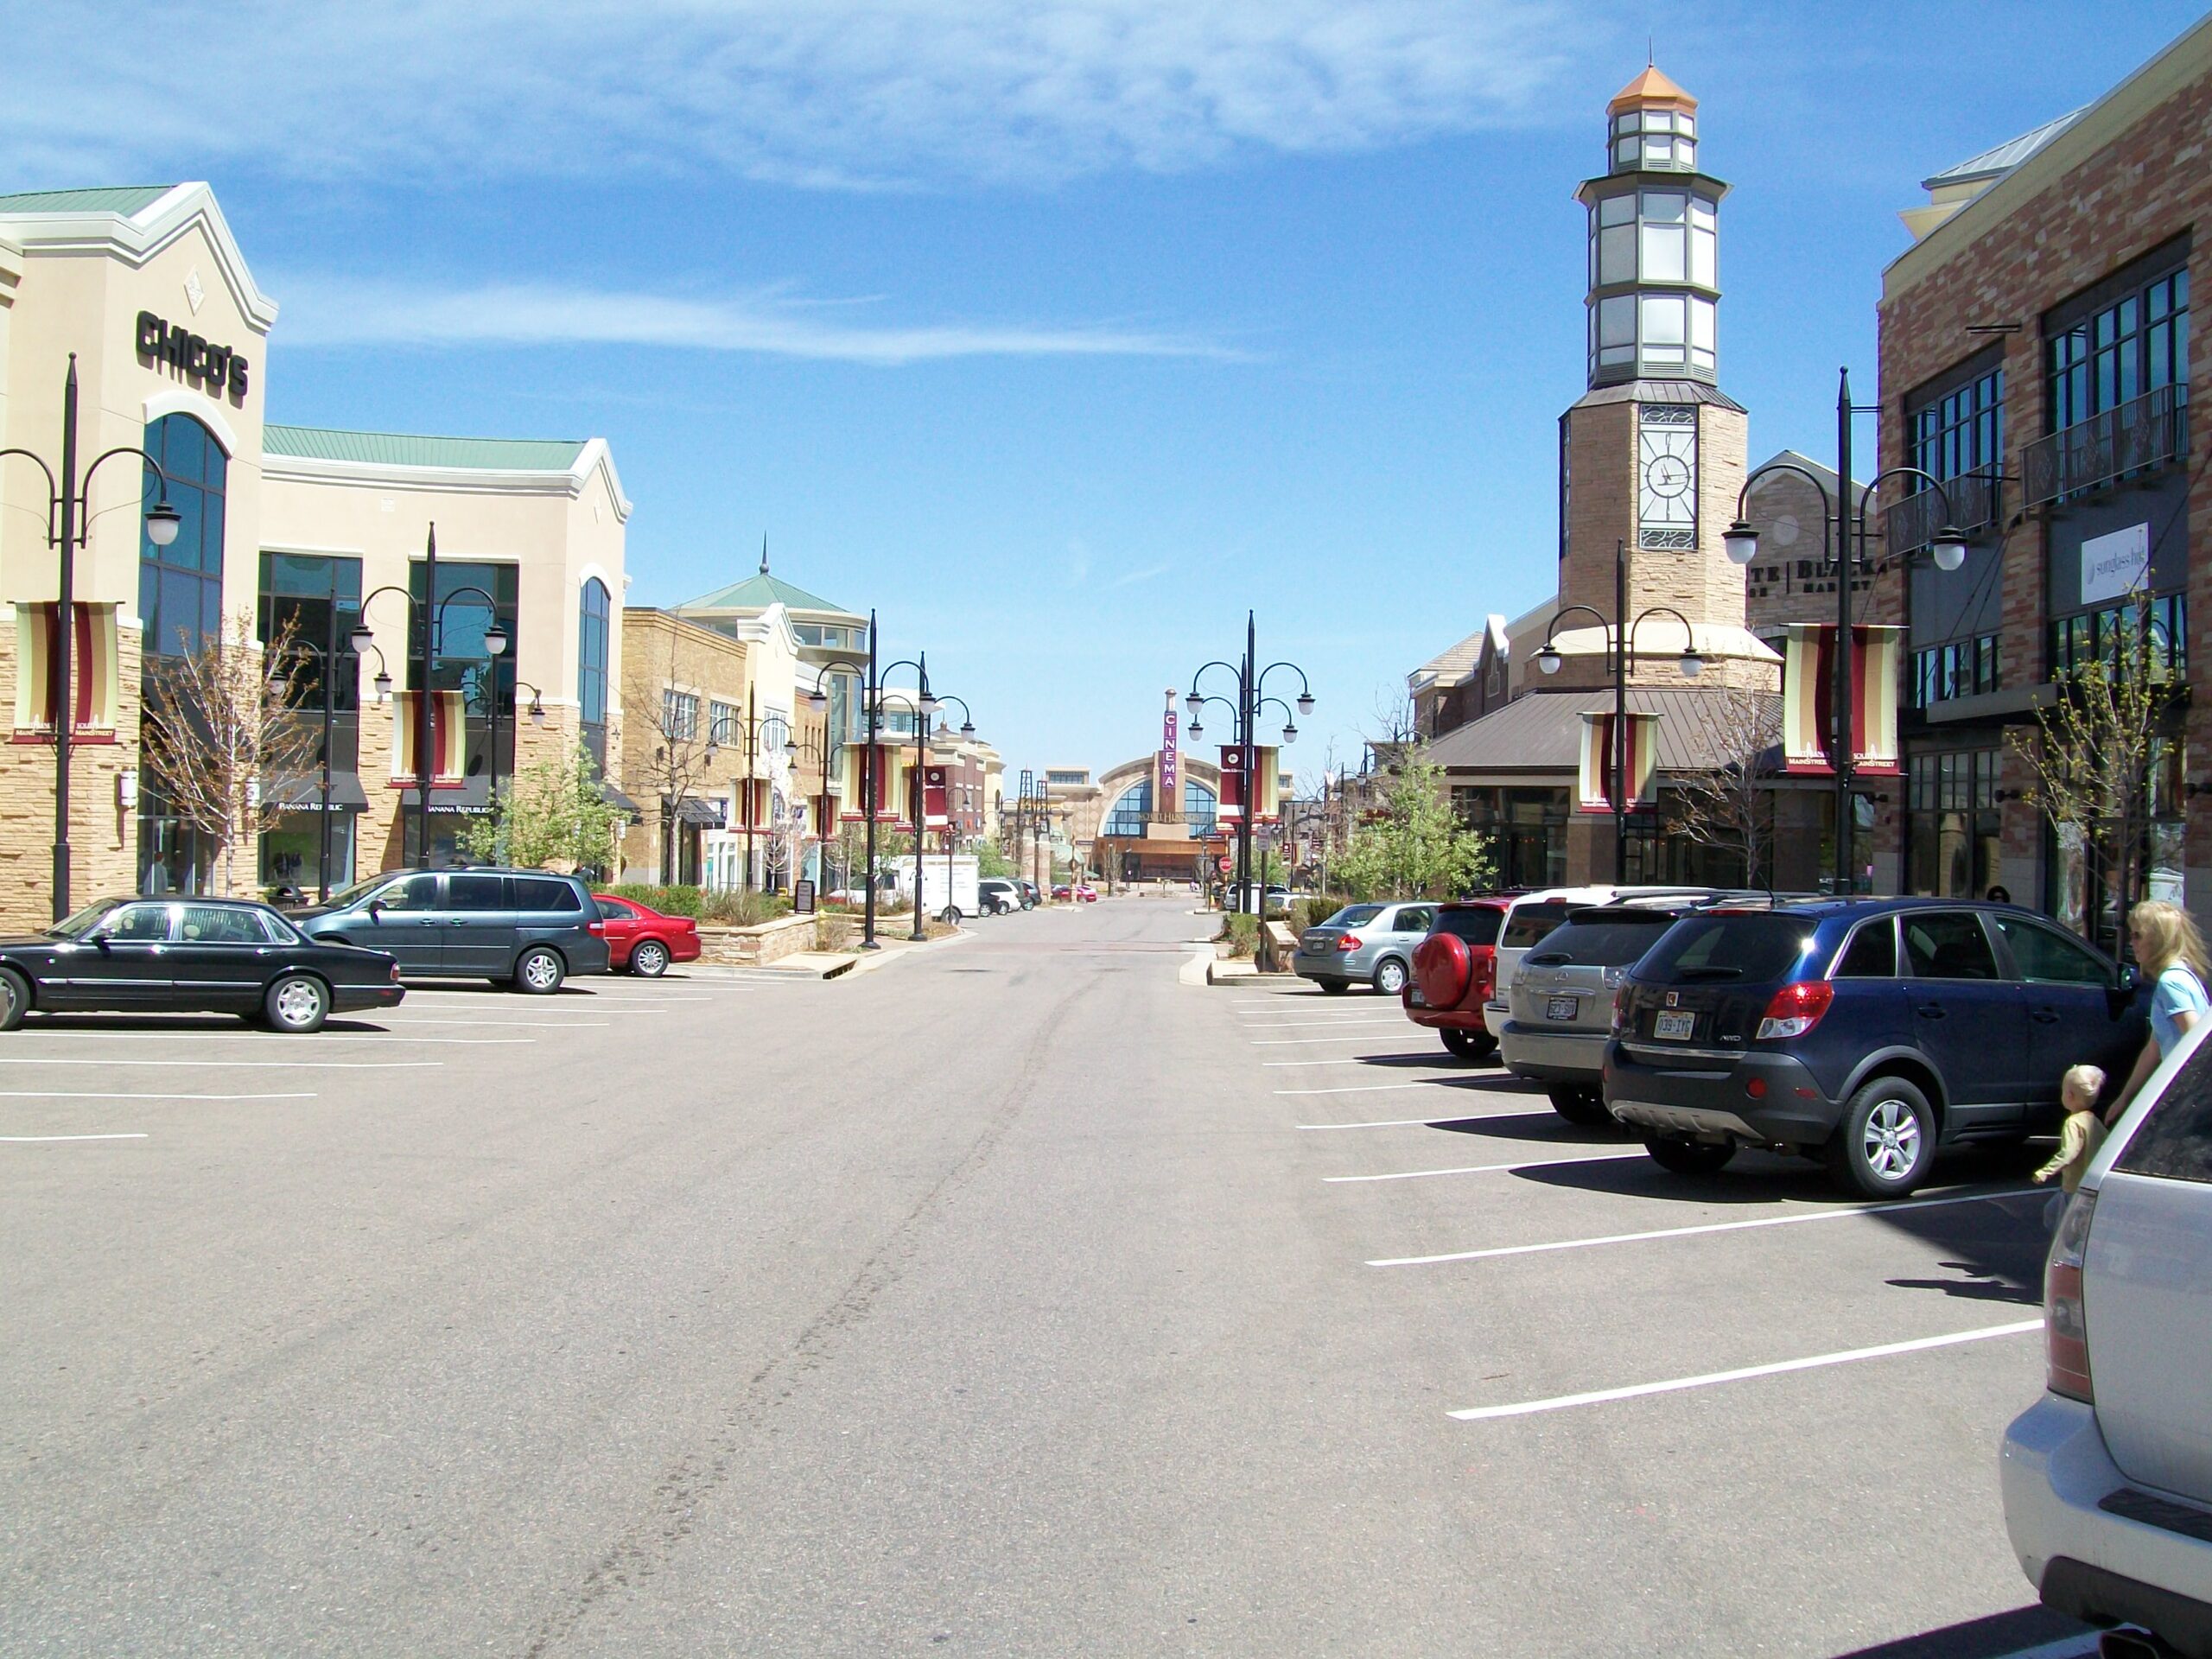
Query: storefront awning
point(305, 794)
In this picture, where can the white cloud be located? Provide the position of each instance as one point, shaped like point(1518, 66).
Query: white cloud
point(834, 92)
point(339, 313)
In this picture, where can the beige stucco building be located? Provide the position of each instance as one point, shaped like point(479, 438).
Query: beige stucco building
point(145, 297)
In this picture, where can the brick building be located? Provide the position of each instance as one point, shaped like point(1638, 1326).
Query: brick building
point(2035, 355)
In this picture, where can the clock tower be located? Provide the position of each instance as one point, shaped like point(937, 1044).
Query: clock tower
point(1652, 456)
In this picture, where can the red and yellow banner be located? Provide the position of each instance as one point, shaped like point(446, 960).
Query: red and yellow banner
point(1594, 792)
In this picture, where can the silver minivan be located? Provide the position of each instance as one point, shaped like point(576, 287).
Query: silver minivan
point(1369, 942)
point(2108, 1478)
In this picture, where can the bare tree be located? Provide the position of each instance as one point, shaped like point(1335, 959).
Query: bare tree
point(2096, 748)
point(223, 730)
point(1727, 804)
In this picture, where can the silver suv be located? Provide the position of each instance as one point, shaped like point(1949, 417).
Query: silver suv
point(2108, 1479)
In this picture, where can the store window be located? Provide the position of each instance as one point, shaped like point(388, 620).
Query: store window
point(1954, 832)
point(595, 609)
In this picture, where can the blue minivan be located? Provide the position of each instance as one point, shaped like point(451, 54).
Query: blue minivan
point(529, 928)
point(1867, 1032)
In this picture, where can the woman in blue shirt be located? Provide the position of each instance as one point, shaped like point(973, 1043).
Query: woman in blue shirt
point(2170, 952)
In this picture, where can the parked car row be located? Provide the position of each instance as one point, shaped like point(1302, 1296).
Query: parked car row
point(1871, 1033)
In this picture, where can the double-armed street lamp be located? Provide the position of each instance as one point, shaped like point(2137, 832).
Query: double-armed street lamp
point(430, 610)
point(1843, 537)
point(69, 516)
point(872, 688)
point(1620, 648)
point(1251, 700)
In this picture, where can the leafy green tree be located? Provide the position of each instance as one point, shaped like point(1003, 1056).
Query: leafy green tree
point(553, 816)
point(1412, 847)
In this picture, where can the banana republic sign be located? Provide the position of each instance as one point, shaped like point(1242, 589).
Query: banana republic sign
point(220, 368)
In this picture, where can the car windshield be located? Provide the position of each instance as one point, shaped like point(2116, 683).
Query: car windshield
point(1476, 924)
point(75, 927)
point(1354, 916)
point(1753, 948)
point(1612, 943)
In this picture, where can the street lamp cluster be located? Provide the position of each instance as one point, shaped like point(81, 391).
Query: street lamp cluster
point(1250, 701)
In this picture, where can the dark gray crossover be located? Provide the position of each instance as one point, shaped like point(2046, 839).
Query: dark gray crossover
point(531, 929)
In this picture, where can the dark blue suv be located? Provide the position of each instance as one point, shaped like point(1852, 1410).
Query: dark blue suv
point(1868, 1031)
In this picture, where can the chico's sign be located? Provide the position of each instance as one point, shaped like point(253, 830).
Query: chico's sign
point(222, 368)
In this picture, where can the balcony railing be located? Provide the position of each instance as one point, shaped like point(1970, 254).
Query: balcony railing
point(1912, 523)
point(2119, 443)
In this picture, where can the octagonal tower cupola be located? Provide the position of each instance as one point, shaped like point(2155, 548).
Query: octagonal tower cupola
point(1655, 291)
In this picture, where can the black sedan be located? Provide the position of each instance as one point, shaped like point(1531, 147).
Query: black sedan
point(176, 956)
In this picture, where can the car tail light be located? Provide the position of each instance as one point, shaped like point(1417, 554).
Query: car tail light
point(2065, 1316)
point(1350, 941)
point(1796, 1008)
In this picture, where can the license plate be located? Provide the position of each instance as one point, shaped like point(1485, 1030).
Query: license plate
point(1560, 1008)
point(1677, 1026)
point(1414, 998)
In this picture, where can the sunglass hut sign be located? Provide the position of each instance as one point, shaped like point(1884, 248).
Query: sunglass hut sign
point(217, 367)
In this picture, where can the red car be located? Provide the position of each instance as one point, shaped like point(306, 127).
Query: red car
point(1455, 969)
point(1082, 893)
point(643, 940)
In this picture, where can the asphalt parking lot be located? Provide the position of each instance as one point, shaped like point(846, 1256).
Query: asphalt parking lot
point(1017, 1298)
point(1791, 1387)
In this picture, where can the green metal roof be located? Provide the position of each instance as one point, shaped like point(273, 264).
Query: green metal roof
point(125, 198)
point(408, 449)
point(758, 593)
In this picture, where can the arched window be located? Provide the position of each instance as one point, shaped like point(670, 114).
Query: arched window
point(181, 586)
point(1200, 807)
point(594, 612)
point(1130, 812)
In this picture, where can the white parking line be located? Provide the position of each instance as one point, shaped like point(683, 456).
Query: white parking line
point(1396, 1123)
point(1842, 1214)
point(1367, 1088)
point(51, 1094)
point(22, 1139)
point(1600, 1397)
point(242, 1065)
point(1487, 1169)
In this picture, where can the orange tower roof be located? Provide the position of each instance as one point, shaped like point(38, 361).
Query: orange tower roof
point(1650, 87)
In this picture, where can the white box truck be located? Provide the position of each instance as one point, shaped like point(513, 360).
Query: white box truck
point(948, 884)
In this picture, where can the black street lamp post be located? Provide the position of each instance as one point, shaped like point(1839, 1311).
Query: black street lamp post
point(69, 516)
point(1251, 698)
point(1620, 647)
point(1843, 537)
point(432, 610)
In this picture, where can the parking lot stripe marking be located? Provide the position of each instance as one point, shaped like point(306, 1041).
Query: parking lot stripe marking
point(21, 1139)
point(238, 1065)
point(1397, 1123)
point(1365, 1088)
point(1841, 1214)
point(53, 1094)
point(1281, 1042)
point(1600, 1397)
point(1487, 1169)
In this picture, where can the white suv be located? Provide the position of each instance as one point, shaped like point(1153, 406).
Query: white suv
point(2108, 1479)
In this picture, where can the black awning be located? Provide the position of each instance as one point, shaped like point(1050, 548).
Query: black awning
point(305, 794)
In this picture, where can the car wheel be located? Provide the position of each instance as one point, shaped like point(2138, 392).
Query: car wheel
point(1886, 1141)
point(15, 998)
point(298, 1003)
point(1682, 1156)
point(649, 959)
point(1390, 977)
point(540, 971)
point(1470, 1045)
point(1580, 1103)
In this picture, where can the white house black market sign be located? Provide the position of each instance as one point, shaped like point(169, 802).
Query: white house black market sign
point(218, 368)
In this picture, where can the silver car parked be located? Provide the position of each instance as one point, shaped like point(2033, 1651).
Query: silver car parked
point(1373, 942)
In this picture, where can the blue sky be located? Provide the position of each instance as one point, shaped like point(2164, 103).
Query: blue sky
point(1060, 331)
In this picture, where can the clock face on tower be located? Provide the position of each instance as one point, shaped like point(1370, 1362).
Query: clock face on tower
point(1667, 493)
